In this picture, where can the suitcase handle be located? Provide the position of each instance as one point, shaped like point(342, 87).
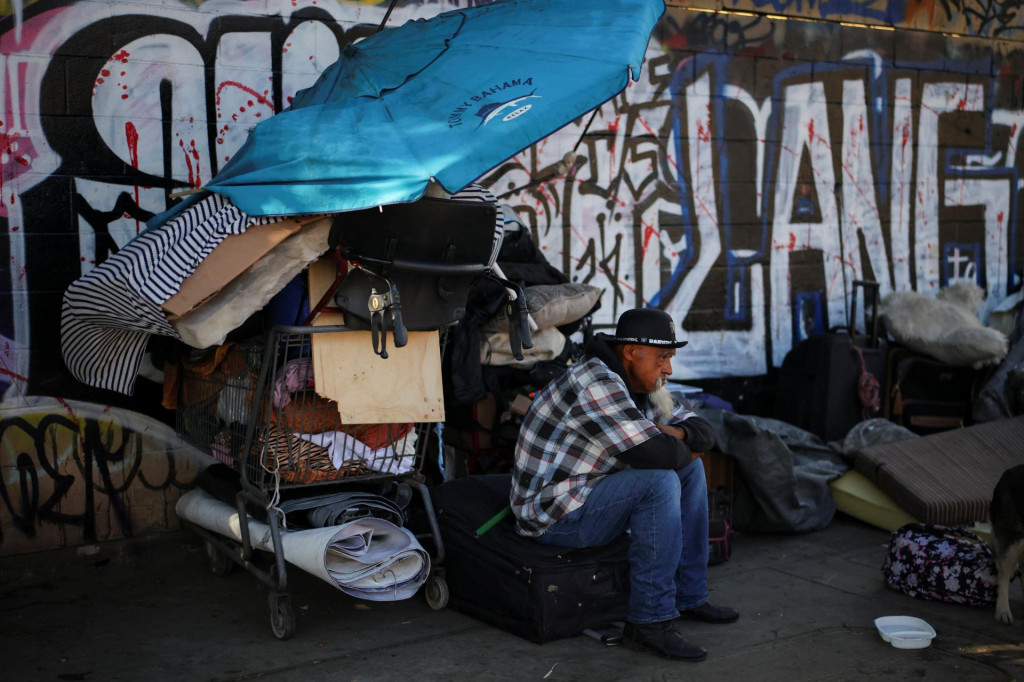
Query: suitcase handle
point(869, 288)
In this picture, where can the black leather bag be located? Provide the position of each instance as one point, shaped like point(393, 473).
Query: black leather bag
point(514, 583)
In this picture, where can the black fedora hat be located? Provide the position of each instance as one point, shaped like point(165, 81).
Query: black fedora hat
point(646, 327)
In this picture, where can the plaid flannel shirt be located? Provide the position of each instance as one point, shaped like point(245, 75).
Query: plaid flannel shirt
point(569, 441)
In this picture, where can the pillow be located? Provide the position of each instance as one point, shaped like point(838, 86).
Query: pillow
point(548, 344)
point(947, 327)
point(552, 305)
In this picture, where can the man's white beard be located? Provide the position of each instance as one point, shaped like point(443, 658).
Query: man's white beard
point(662, 402)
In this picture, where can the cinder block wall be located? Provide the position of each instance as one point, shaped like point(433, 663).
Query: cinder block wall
point(772, 153)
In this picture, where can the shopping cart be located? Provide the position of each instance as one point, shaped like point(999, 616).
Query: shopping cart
point(254, 408)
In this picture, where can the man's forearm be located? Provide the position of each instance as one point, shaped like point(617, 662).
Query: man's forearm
point(696, 432)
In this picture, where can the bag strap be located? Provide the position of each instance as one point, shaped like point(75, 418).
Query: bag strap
point(938, 530)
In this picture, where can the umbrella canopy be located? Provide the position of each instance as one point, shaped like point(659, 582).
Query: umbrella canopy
point(447, 98)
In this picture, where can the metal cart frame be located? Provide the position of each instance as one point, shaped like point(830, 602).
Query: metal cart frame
point(236, 431)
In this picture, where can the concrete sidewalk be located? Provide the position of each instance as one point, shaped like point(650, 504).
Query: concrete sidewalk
point(150, 609)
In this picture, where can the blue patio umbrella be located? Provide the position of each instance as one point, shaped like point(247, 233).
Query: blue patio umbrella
point(446, 98)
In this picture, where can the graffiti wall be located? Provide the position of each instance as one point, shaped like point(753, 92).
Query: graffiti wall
point(773, 153)
point(76, 473)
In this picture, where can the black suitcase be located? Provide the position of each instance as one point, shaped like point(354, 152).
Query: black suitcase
point(823, 384)
point(514, 583)
point(926, 395)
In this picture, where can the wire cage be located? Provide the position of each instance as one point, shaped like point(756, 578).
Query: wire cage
point(255, 408)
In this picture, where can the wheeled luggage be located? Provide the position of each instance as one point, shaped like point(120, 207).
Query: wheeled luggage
point(514, 583)
point(829, 382)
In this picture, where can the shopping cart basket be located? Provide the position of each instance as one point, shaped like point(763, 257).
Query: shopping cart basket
point(254, 408)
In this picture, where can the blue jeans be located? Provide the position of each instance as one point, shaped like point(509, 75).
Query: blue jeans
point(666, 513)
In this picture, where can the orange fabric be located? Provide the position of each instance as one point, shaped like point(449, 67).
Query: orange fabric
point(311, 413)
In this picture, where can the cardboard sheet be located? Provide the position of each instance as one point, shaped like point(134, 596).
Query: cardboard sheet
point(406, 387)
point(227, 260)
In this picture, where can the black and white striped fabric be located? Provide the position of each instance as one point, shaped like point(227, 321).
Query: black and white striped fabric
point(108, 314)
point(477, 193)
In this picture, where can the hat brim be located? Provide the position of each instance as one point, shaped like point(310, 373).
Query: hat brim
point(623, 340)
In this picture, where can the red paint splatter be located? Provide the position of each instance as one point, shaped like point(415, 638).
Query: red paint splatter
point(192, 153)
point(649, 232)
point(122, 57)
point(16, 377)
point(19, 151)
point(810, 131)
point(703, 133)
point(131, 135)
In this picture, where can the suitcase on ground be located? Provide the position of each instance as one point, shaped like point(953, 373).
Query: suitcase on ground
point(926, 395)
point(514, 583)
point(830, 382)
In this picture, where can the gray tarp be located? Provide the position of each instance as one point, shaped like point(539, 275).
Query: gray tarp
point(1002, 396)
point(783, 473)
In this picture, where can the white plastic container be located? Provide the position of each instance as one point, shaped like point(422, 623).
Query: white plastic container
point(905, 632)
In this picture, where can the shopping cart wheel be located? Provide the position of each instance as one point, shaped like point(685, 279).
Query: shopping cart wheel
point(436, 592)
point(282, 618)
point(219, 563)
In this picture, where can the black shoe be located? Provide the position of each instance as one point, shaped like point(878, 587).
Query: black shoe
point(662, 638)
point(706, 613)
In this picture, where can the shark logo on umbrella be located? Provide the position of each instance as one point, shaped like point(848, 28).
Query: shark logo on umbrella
point(494, 109)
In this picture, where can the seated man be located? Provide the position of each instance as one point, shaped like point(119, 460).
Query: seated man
point(602, 451)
